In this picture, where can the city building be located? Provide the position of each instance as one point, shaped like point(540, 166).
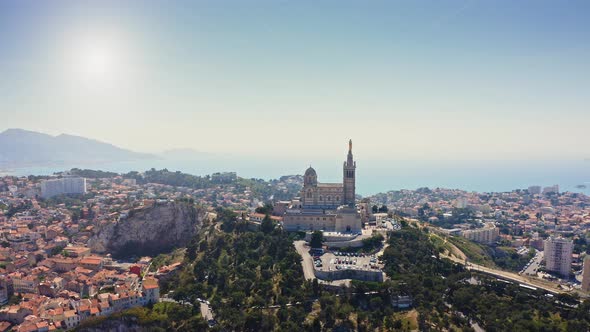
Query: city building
point(586, 274)
point(535, 190)
point(552, 189)
point(328, 207)
point(558, 255)
point(224, 177)
point(487, 235)
point(67, 185)
point(461, 203)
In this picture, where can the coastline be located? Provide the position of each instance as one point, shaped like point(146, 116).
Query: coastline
point(373, 177)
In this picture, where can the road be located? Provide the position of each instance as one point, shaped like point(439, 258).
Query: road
point(534, 264)
point(507, 276)
point(206, 310)
point(307, 265)
point(207, 313)
point(307, 262)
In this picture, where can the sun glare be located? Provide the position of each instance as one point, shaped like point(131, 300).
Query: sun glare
point(97, 61)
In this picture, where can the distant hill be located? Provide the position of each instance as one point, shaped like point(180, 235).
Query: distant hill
point(19, 148)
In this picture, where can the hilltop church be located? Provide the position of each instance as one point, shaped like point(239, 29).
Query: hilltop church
point(329, 207)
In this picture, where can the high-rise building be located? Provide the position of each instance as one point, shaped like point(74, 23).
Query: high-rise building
point(552, 189)
point(558, 255)
point(535, 190)
point(461, 203)
point(586, 274)
point(67, 185)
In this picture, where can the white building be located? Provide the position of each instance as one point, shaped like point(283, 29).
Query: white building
point(461, 203)
point(535, 190)
point(67, 185)
point(552, 189)
point(558, 255)
point(586, 274)
point(487, 235)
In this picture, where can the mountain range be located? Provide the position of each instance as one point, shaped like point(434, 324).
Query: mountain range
point(22, 148)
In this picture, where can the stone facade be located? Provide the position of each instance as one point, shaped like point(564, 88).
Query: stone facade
point(315, 195)
point(348, 177)
point(326, 206)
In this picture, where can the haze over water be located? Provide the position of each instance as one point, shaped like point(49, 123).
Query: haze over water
point(406, 80)
point(422, 84)
point(375, 176)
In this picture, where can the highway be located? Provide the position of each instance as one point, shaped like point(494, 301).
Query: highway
point(509, 276)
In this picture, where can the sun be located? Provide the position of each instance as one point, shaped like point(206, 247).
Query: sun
point(97, 60)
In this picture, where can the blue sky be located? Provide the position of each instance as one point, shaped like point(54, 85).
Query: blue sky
point(405, 79)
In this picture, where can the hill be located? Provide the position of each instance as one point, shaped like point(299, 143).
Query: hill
point(19, 148)
point(149, 231)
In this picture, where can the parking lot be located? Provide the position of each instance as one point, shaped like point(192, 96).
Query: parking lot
point(332, 261)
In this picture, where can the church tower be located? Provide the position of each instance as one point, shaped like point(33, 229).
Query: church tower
point(349, 177)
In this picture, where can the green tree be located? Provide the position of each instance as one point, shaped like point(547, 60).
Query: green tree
point(317, 238)
point(266, 209)
point(267, 225)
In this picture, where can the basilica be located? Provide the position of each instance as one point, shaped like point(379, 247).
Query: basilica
point(329, 207)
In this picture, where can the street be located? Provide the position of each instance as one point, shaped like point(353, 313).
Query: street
point(533, 265)
point(207, 313)
point(307, 263)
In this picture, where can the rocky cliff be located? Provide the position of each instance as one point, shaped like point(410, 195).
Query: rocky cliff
point(149, 231)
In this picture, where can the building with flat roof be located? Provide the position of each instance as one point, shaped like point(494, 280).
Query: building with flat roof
point(67, 185)
point(558, 255)
point(534, 190)
point(586, 274)
point(487, 235)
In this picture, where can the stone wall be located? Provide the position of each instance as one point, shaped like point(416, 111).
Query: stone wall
point(365, 275)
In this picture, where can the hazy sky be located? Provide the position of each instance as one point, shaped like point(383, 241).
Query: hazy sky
point(404, 79)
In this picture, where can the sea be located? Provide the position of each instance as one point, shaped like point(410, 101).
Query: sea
point(373, 176)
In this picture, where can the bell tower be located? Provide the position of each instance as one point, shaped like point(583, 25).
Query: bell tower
point(349, 177)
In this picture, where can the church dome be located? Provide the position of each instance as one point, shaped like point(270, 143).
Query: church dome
point(310, 177)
